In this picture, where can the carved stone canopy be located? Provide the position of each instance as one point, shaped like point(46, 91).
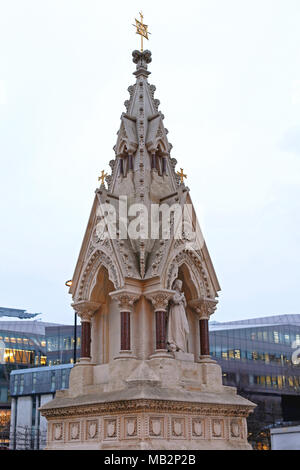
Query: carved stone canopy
point(86, 309)
point(160, 299)
point(125, 299)
point(204, 307)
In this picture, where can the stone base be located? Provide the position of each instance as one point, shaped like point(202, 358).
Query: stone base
point(116, 428)
point(182, 356)
point(161, 353)
point(160, 403)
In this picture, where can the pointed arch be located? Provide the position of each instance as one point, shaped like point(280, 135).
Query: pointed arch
point(97, 260)
point(193, 271)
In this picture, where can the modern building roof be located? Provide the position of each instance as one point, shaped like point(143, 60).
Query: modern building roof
point(16, 313)
point(35, 326)
point(41, 369)
point(274, 320)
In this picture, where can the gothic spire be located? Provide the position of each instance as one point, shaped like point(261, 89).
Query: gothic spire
point(143, 168)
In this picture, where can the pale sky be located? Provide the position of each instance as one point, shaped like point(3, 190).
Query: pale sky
point(227, 74)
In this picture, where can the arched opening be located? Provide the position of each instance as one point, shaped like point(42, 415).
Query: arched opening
point(101, 322)
point(190, 293)
point(103, 286)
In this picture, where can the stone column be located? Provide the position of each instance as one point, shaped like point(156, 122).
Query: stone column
point(160, 300)
point(204, 308)
point(204, 337)
point(85, 311)
point(125, 331)
point(125, 300)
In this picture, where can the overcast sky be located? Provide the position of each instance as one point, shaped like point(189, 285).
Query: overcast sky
point(227, 74)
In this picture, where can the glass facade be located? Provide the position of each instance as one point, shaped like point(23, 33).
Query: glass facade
point(32, 344)
point(33, 385)
point(258, 357)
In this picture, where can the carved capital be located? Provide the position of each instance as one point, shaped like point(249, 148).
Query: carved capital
point(204, 307)
point(160, 299)
point(85, 309)
point(125, 299)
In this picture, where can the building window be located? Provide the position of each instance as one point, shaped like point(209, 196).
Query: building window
point(21, 390)
point(287, 339)
point(53, 381)
point(64, 379)
point(33, 381)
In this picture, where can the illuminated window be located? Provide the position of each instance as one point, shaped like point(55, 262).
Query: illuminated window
point(231, 354)
point(268, 381)
point(291, 382)
point(19, 356)
point(12, 340)
point(43, 361)
point(237, 354)
point(224, 354)
point(276, 336)
point(254, 356)
point(267, 358)
point(279, 381)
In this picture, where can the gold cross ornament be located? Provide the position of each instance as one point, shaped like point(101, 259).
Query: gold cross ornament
point(102, 177)
point(181, 174)
point(141, 29)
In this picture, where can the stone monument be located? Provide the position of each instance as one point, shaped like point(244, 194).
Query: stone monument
point(144, 289)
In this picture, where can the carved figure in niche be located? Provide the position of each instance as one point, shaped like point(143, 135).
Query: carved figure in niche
point(178, 327)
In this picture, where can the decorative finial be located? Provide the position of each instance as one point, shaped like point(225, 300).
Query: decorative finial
point(102, 177)
point(141, 29)
point(182, 175)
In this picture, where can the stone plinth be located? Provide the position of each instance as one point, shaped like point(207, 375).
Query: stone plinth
point(156, 404)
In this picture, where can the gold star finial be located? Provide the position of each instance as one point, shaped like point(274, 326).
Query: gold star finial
point(102, 177)
point(182, 175)
point(141, 29)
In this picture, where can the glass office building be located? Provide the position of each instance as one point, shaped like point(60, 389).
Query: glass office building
point(30, 389)
point(259, 357)
point(30, 344)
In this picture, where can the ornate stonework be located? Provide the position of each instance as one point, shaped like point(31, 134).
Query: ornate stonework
point(160, 299)
point(190, 431)
point(145, 379)
point(86, 310)
point(125, 300)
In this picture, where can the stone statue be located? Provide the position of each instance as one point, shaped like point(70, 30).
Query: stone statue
point(178, 327)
